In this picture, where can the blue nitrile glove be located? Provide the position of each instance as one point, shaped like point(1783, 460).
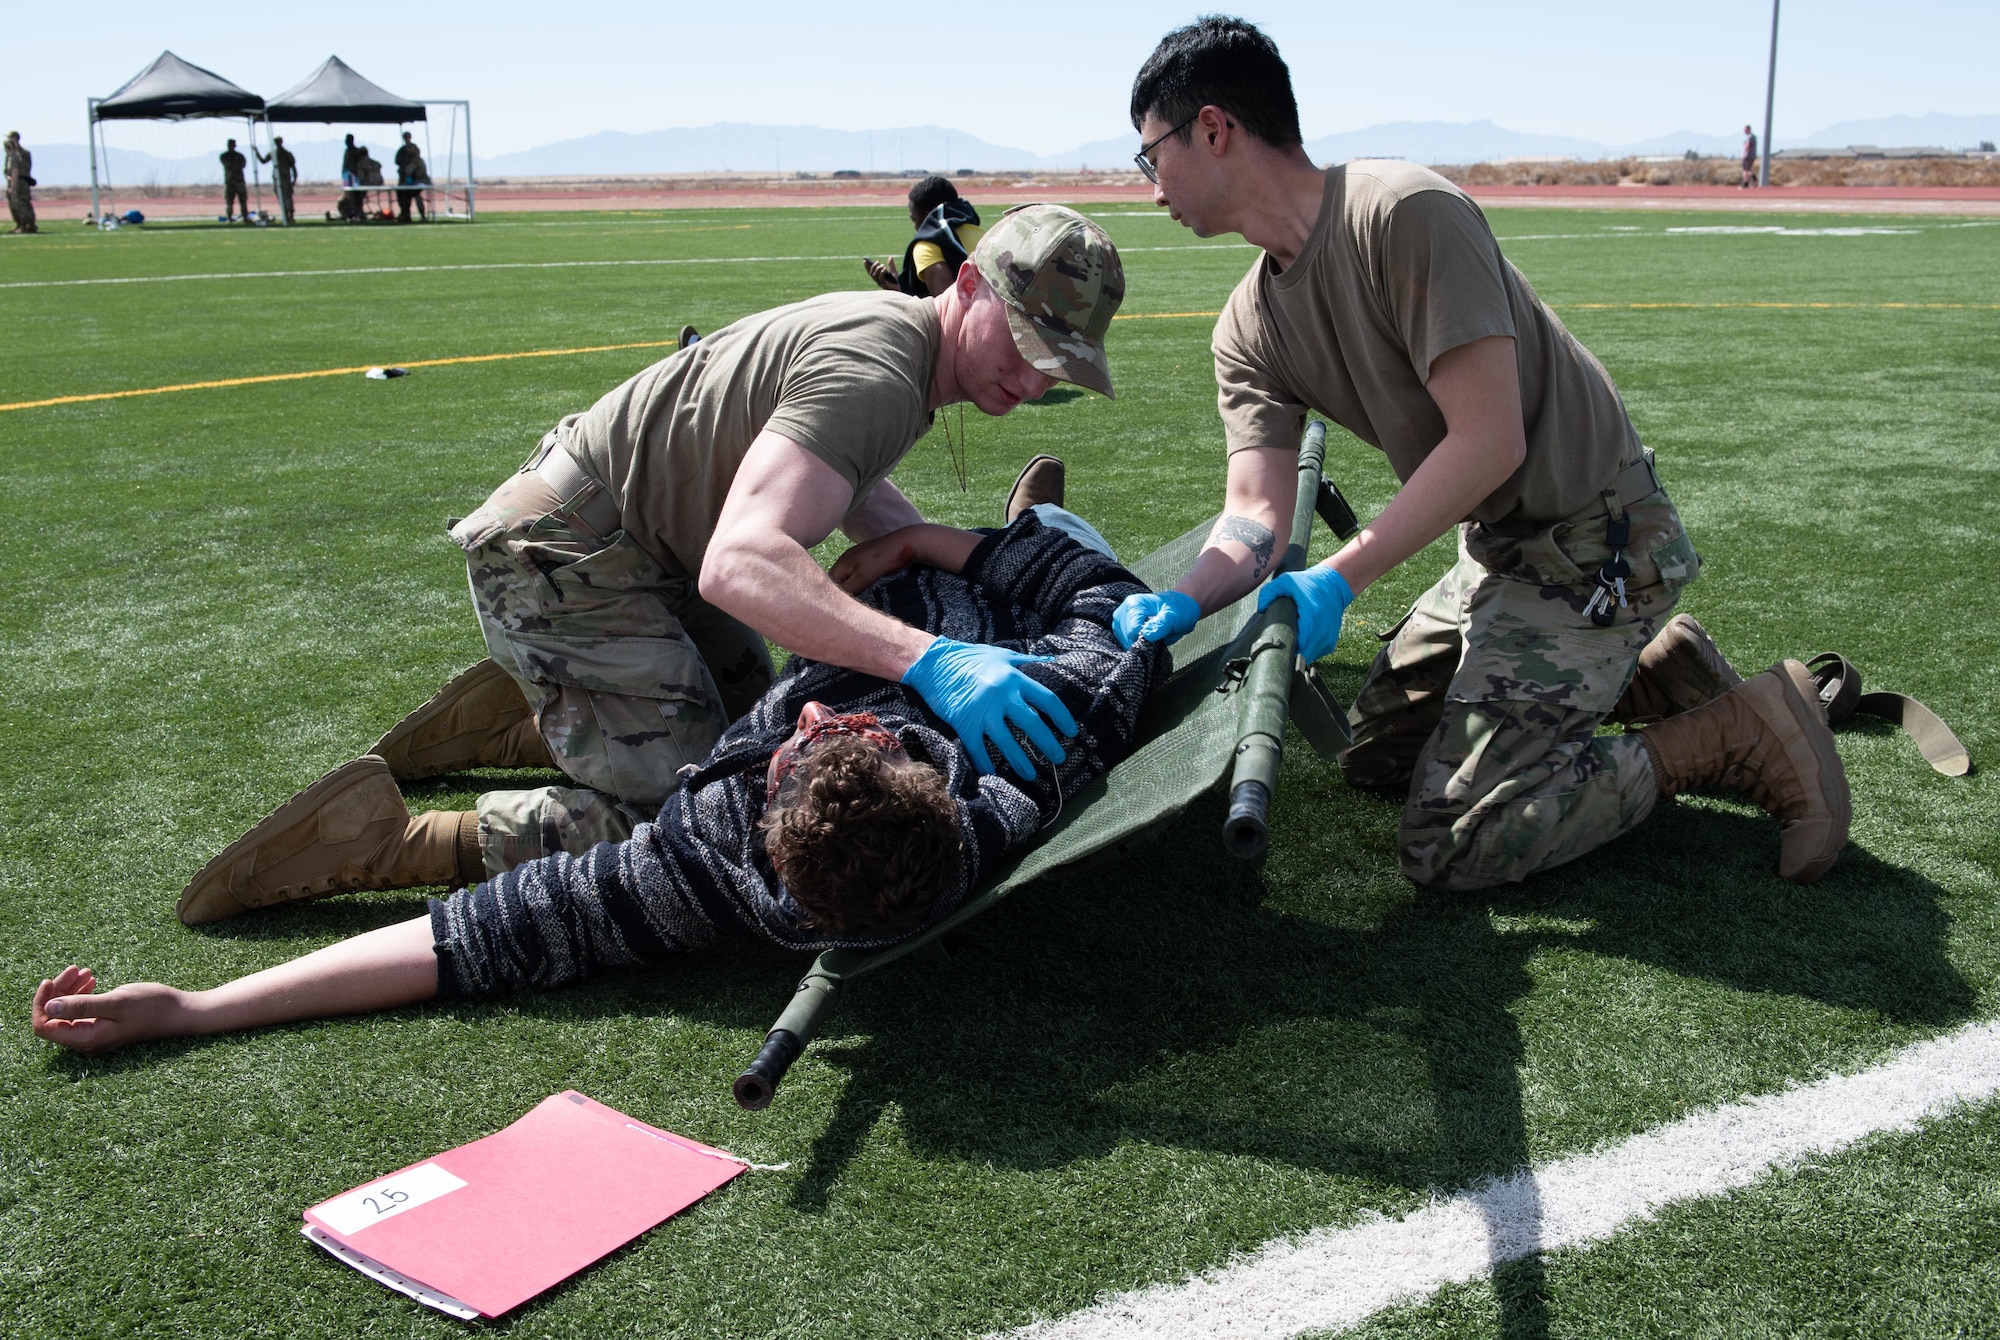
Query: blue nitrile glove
point(1162, 618)
point(1322, 596)
point(977, 689)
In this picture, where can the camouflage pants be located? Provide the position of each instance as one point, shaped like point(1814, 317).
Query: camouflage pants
point(631, 675)
point(21, 204)
point(1487, 699)
point(235, 193)
point(516, 827)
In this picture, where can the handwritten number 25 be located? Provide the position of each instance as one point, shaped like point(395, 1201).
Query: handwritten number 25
point(390, 1200)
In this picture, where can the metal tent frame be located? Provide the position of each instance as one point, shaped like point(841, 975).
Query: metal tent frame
point(336, 94)
point(170, 89)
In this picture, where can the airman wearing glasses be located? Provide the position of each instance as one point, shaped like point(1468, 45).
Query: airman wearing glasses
point(1382, 301)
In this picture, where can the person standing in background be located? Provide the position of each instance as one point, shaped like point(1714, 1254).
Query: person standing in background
point(1749, 158)
point(411, 177)
point(20, 185)
point(284, 176)
point(234, 189)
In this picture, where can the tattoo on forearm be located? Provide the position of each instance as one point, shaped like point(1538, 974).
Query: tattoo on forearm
point(1257, 538)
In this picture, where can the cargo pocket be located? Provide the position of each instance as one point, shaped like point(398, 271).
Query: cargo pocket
point(1572, 671)
point(622, 714)
point(1677, 562)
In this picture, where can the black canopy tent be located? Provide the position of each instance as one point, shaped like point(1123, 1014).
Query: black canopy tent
point(170, 89)
point(336, 94)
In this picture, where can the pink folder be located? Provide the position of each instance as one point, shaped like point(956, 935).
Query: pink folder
point(481, 1229)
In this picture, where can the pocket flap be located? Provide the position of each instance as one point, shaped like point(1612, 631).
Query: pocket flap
point(1571, 670)
point(637, 667)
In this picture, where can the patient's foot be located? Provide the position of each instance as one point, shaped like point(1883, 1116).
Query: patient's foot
point(67, 1014)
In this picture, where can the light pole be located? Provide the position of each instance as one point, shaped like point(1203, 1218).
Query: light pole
point(1770, 92)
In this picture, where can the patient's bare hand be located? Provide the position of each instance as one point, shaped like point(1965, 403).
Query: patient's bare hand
point(67, 1014)
point(859, 568)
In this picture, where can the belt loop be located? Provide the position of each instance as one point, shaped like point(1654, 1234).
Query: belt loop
point(540, 453)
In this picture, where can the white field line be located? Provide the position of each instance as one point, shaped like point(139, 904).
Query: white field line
point(1331, 1279)
point(504, 265)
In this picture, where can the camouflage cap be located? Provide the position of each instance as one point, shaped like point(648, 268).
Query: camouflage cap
point(1061, 280)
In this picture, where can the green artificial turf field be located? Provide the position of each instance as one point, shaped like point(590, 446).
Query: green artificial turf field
point(211, 596)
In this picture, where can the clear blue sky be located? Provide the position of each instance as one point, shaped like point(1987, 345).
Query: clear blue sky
point(1042, 78)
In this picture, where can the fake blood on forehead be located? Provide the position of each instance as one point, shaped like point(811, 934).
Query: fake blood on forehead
point(819, 722)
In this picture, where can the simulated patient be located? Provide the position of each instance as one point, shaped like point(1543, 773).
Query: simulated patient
point(835, 813)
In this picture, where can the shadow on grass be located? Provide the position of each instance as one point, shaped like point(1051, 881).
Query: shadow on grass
point(1168, 998)
point(1161, 1002)
point(1058, 395)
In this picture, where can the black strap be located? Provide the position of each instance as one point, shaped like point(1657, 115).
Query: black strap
point(1840, 696)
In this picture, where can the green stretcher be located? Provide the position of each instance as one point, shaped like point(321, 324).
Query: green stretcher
point(1236, 680)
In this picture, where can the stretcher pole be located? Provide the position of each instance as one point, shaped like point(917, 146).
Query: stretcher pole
point(790, 1034)
point(1266, 694)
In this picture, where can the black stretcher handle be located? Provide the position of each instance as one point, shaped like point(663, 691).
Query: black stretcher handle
point(1331, 504)
point(1247, 830)
point(789, 1035)
point(755, 1087)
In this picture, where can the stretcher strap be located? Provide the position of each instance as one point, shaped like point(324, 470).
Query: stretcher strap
point(1841, 696)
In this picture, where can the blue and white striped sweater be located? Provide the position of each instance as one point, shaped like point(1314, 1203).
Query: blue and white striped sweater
point(698, 872)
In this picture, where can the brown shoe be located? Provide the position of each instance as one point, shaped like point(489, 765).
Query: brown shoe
point(348, 831)
point(1041, 481)
point(1768, 739)
point(1679, 670)
point(479, 720)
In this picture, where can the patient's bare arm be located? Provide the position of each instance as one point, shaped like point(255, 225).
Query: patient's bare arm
point(929, 544)
point(375, 971)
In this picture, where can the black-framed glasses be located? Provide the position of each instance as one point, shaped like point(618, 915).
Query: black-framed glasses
point(1145, 163)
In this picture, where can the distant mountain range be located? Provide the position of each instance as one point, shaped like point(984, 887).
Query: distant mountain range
point(735, 146)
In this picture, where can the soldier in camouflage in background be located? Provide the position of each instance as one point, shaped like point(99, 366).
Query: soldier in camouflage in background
point(284, 176)
point(20, 185)
point(235, 191)
point(1382, 300)
point(622, 577)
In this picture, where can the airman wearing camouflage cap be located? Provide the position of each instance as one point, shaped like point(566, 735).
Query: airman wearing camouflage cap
point(627, 576)
point(1062, 282)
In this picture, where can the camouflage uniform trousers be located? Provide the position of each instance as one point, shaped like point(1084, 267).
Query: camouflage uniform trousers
point(21, 204)
point(1487, 699)
point(614, 653)
point(235, 194)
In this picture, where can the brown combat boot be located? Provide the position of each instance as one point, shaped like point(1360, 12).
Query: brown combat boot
point(1768, 739)
point(1679, 670)
point(479, 720)
point(1041, 481)
point(347, 832)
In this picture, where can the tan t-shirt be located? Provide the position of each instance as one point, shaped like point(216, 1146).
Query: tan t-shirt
point(1400, 269)
point(846, 376)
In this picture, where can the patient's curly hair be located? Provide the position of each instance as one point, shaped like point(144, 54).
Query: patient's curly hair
point(864, 844)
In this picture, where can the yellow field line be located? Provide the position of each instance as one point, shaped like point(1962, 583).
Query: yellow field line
point(1124, 316)
point(331, 372)
point(421, 363)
